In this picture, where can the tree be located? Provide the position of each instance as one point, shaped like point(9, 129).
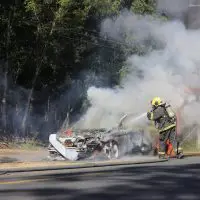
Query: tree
point(45, 45)
point(144, 6)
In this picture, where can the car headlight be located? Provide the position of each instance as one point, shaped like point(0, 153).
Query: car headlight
point(69, 143)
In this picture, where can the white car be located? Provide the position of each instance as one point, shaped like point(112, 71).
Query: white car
point(83, 143)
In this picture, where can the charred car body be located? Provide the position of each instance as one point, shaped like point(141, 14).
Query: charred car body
point(79, 144)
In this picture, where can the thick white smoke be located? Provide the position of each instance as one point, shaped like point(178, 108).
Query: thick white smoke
point(166, 70)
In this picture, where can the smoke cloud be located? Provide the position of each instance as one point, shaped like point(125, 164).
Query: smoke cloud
point(171, 63)
point(177, 8)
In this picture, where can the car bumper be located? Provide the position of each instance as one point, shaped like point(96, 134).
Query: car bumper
point(70, 153)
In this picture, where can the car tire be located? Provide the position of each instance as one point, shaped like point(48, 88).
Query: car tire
point(146, 149)
point(112, 150)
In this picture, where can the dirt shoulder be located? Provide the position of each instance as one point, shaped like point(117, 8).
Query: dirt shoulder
point(33, 164)
point(16, 151)
point(18, 155)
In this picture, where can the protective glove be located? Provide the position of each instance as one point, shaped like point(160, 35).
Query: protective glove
point(149, 115)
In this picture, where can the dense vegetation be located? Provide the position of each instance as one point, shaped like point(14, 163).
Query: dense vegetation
point(50, 52)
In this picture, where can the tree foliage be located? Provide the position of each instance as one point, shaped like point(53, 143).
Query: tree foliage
point(45, 44)
point(143, 6)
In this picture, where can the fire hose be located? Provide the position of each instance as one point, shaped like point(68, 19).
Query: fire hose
point(188, 135)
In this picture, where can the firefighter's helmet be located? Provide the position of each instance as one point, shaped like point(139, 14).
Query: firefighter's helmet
point(156, 101)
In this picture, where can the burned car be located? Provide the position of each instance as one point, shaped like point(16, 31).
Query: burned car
point(77, 144)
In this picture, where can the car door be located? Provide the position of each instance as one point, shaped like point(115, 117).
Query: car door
point(134, 141)
point(121, 138)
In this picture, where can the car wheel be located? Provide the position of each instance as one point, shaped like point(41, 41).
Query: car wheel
point(112, 150)
point(146, 149)
point(155, 152)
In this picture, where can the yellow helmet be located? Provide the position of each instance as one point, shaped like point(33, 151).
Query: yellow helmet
point(156, 101)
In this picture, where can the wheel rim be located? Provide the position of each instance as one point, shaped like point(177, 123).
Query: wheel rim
point(115, 151)
point(111, 150)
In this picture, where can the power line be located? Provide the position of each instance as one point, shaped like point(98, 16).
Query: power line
point(85, 29)
point(96, 44)
point(100, 38)
point(193, 5)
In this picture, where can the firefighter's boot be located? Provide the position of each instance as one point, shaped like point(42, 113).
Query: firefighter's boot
point(180, 156)
point(179, 152)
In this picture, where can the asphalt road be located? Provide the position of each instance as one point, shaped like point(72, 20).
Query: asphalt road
point(175, 179)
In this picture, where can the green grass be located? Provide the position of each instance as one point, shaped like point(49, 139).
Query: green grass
point(30, 144)
point(190, 145)
point(23, 143)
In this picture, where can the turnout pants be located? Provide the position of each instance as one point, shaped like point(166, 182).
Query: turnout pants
point(164, 136)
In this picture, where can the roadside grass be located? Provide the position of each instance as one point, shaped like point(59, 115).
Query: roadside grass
point(190, 146)
point(25, 143)
point(29, 144)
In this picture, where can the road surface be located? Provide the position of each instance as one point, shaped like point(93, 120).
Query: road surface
point(175, 179)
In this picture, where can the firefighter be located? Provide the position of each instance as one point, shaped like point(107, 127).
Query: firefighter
point(165, 121)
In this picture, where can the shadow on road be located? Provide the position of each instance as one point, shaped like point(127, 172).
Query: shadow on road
point(151, 182)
